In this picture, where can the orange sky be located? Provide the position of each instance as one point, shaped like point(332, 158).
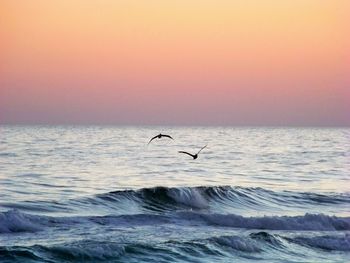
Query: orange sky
point(234, 62)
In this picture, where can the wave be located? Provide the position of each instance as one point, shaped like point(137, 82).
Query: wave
point(163, 198)
point(14, 221)
point(77, 251)
point(215, 199)
point(251, 245)
point(260, 241)
point(314, 222)
point(237, 243)
point(92, 251)
point(337, 243)
point(222, 198)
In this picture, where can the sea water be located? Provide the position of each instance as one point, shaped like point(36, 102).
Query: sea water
point(100, 193)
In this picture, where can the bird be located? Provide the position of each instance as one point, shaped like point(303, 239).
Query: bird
point(194, 156)
point(160, 136)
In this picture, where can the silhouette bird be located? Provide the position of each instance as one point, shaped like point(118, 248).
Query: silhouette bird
point(194, 156)
point(160, 136)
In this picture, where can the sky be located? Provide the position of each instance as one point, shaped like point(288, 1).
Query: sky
point(222, 62)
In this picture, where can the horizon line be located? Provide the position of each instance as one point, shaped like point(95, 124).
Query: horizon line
point(178, 125)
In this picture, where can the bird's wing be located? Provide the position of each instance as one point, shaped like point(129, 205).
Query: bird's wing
point(202, 149)
point(152, 139)
point(186, 153)
point(165, 135)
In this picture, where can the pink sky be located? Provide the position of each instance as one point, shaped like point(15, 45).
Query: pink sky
point(175, 62)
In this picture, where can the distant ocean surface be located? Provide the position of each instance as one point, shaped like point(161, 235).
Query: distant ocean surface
point(100, 194)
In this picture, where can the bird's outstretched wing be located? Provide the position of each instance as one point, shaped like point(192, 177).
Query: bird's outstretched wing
point(202, 149)
point(187, 153)
point(152, 139)
point(165, 135)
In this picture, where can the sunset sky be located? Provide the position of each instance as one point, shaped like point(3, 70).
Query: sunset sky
point(234, 62)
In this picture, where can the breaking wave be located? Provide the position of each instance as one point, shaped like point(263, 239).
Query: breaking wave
point(221, 208)
point(218, 199)
point(214, 199)
point(14, 221)
point(252, 245)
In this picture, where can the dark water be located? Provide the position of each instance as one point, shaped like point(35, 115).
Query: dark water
point(77, 194)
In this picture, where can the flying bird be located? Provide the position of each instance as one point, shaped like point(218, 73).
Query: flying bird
point(194, 156)
point(160, 136)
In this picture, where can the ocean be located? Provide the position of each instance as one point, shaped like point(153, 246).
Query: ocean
point(101, 194)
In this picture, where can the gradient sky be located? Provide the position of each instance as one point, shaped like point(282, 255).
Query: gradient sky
point(234, 62)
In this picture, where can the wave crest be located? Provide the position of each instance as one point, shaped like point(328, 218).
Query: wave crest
point(15, 221)
point(203, 197)
point(337, 243)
